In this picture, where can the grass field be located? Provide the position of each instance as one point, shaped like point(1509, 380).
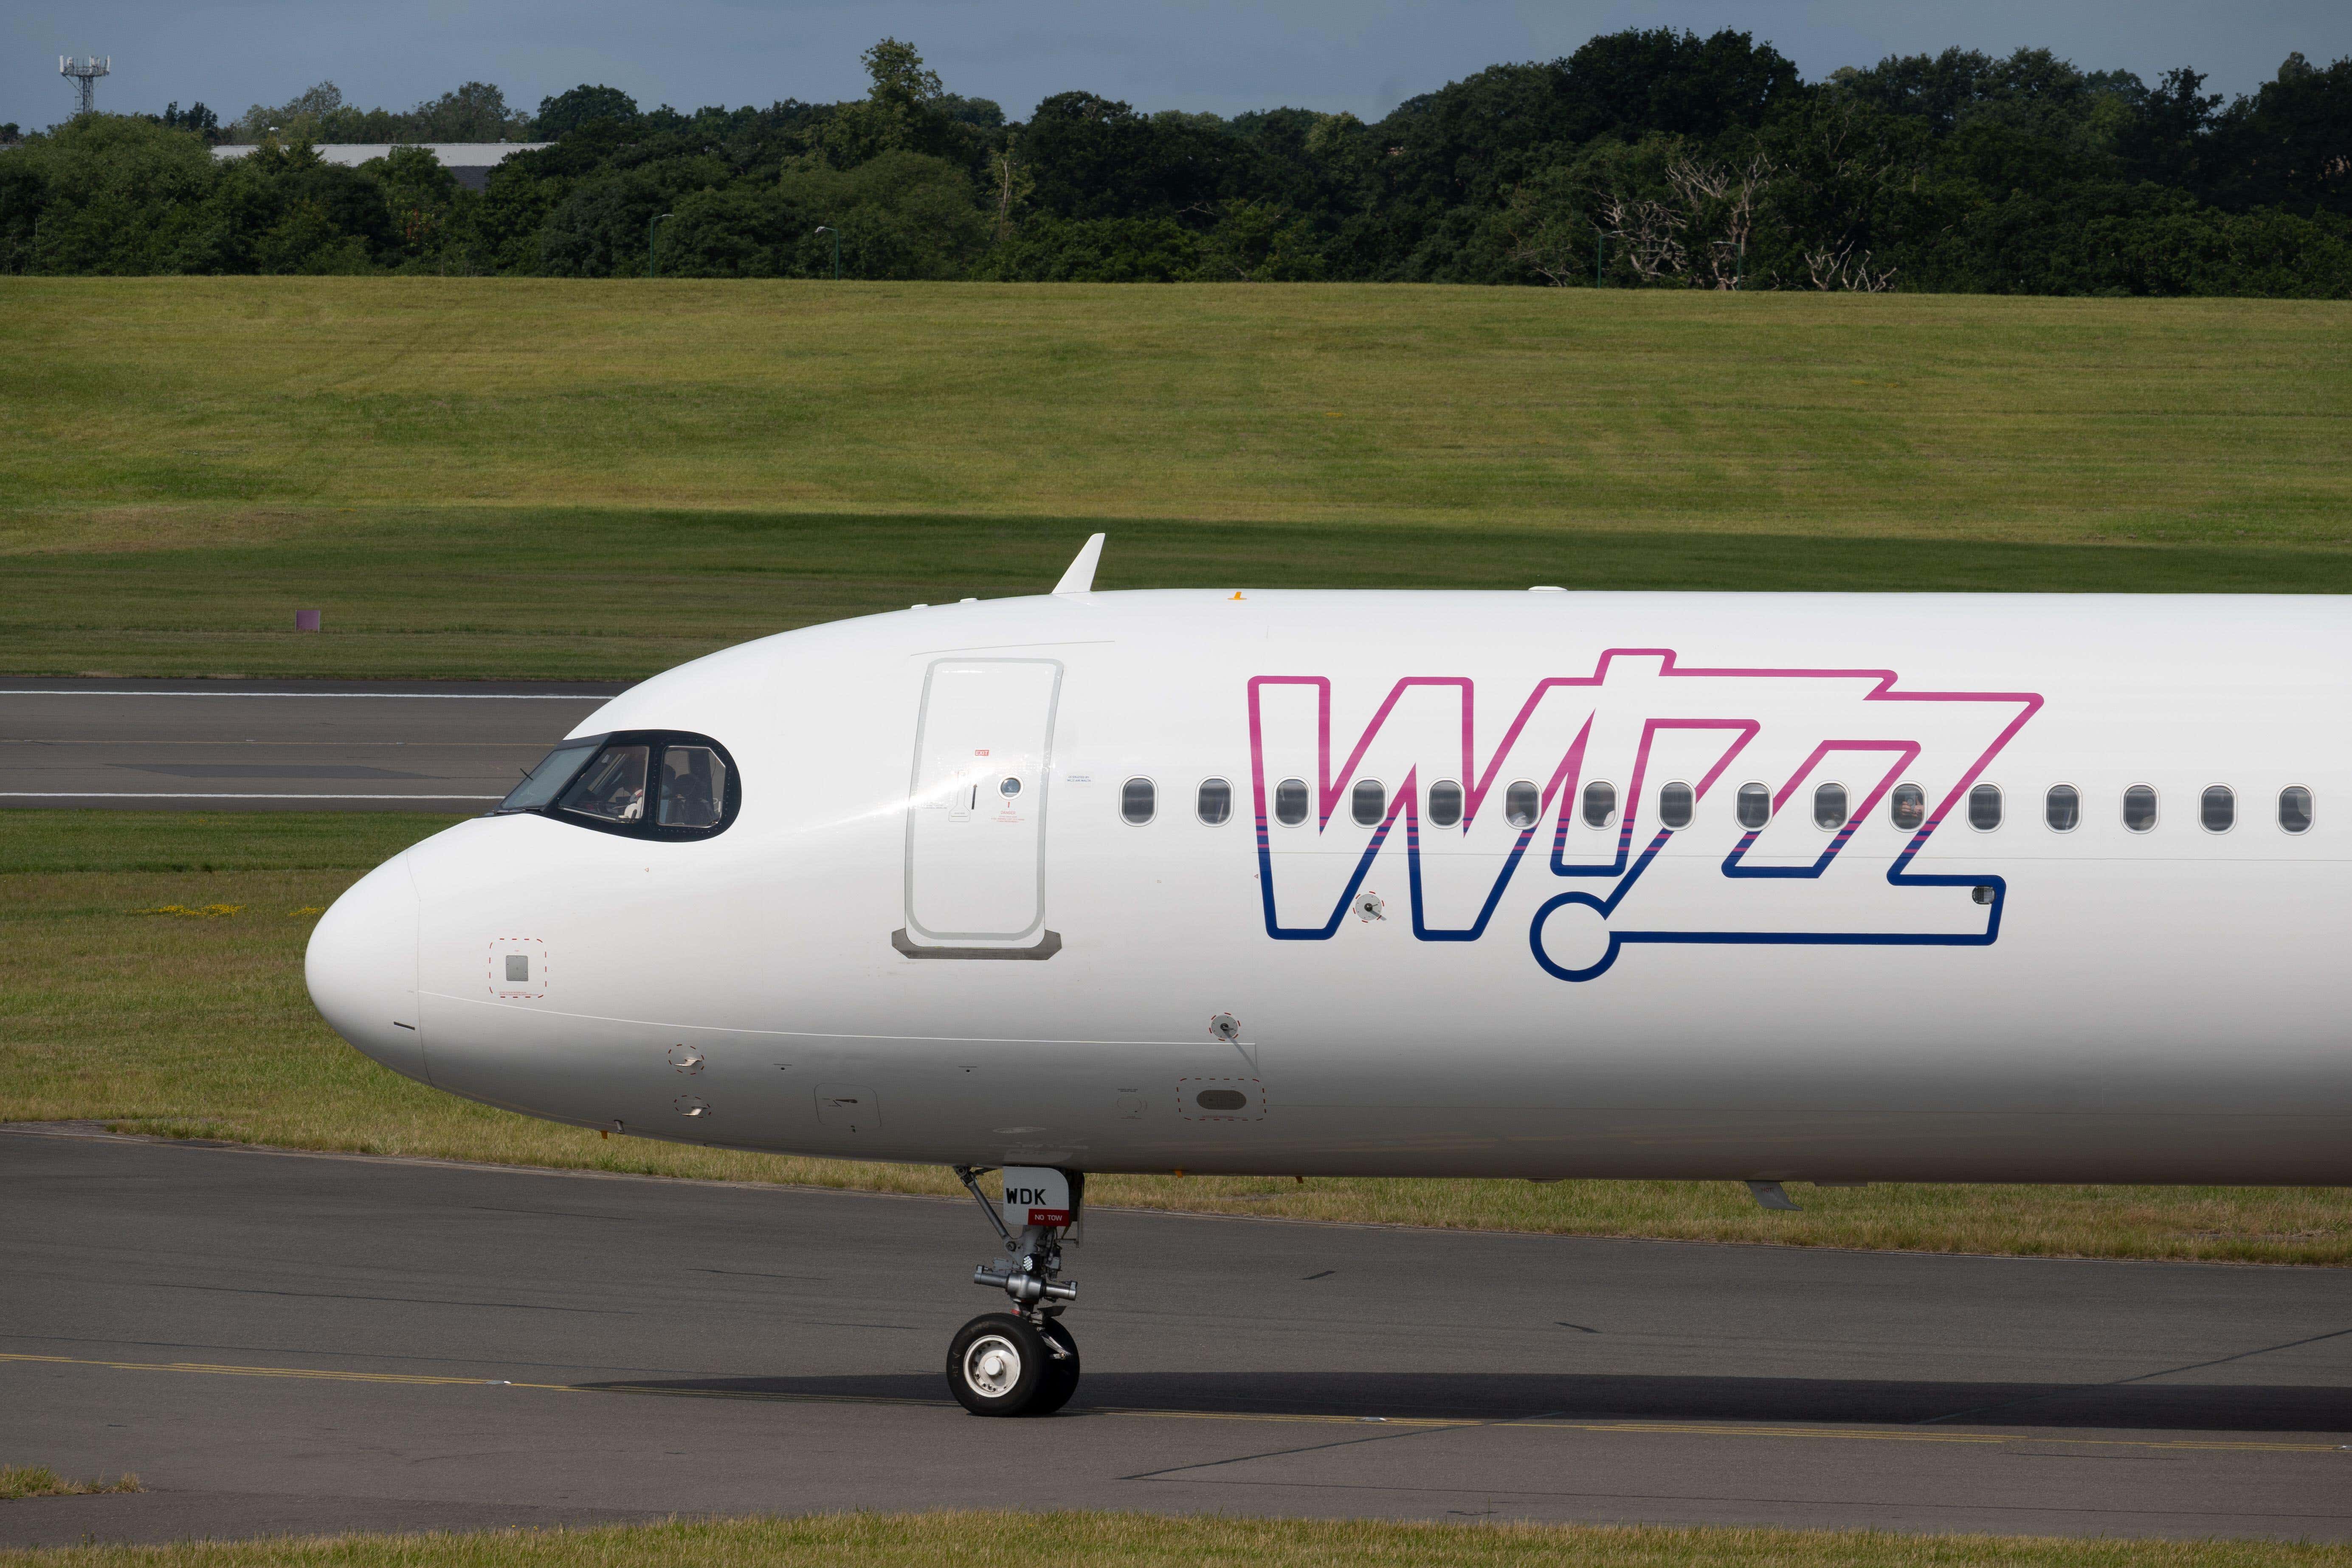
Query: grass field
point(1142, 1541)
point(545, 478)
point(150, 976)
point(530, 478)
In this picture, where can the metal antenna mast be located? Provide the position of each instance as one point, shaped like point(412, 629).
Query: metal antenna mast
point(84, 76)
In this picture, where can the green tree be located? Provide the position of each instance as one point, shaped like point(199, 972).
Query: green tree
point(427, 210)
point(900, 80)
point(1094, 157)
point(902, 214)
point(1554, 230)
point(599, 228)
point(584, 105)
point(195, 118)
point(1047, 249)
point(307, 241)
point(2289, 144)
point(905, 111)
point(1258, 242)
point(104, 194)
point(299, 119)
point(474, 111)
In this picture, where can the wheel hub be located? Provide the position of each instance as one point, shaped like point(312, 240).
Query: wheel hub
point(992, 1366)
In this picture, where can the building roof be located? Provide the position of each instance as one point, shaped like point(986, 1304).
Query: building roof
point(454, 154)
point(471, 162)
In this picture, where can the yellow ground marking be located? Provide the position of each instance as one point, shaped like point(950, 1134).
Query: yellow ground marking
point(1633, 1429)
point(1668, 1428)
point(298, 1371)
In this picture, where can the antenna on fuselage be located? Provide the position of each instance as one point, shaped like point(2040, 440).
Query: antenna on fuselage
point(1080, 577)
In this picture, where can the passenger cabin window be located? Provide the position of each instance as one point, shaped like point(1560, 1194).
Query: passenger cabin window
point(1984, 807)
point(1755, 806)
point(1829, 805)
point(2062, 809)
point(1675, 803)
point(1599, 804)
point(1290, 802)
point(1138, 802)
point(1368, 802)
point(694, 788)
point(1444, 804)
point(2217, 808)
point(2294, 809)
point(644, 784)
point(1215, 802)
point(1906, 807)
point(2139, 808)
point(1521, 802)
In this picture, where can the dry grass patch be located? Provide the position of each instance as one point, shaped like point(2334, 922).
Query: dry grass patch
point(1080, 1540)
point(140, 989)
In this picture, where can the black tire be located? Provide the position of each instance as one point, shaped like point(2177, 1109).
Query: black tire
point(1062, 1376)
point(997, 1365)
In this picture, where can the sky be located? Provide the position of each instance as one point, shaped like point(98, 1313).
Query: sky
point(1221, 55)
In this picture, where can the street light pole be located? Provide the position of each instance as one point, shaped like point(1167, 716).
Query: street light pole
point(826, 228)
point(652, 257)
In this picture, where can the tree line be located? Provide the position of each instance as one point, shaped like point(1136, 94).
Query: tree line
point(1647, 158)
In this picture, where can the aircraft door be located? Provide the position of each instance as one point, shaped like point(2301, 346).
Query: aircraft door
point(976, 810)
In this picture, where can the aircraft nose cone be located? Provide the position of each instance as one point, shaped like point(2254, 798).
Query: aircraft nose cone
point(361, 967)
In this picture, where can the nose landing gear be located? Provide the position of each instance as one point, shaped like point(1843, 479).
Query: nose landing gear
point(1021, 1362)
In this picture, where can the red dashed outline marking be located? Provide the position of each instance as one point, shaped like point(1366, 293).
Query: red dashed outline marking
point(499, 985)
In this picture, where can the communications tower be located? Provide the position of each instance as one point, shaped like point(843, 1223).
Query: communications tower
point(84, 76)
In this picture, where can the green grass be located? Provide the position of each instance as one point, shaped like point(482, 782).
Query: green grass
point(40, 1480)
point(528, 478)
point(520, 478)
point(546, 595)
point(1080, 1540)
point(150, 977)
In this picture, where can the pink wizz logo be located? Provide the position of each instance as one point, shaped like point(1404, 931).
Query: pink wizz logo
point(1638, 722)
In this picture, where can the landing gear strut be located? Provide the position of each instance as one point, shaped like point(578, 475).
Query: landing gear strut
point(1021, 1362)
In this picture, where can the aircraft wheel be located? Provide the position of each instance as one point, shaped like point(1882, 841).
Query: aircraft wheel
point(999, 1366)
point(1062, 1376)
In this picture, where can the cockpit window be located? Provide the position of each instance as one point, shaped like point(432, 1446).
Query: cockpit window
point(694, 788)
point(545, 783)
point(612, 787)
point(644, 784)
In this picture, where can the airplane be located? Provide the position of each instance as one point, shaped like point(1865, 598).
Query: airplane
point(1782, 888)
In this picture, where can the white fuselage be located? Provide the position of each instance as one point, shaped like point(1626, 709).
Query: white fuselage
point(888, 956)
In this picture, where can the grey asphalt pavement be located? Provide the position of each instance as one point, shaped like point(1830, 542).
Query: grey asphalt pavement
point(276, 745)
point(279, 1341)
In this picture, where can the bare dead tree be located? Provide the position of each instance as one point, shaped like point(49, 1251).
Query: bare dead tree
point(1012, 184)
point(1648, 234)
point(1719, 209)
point(1838, 268)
